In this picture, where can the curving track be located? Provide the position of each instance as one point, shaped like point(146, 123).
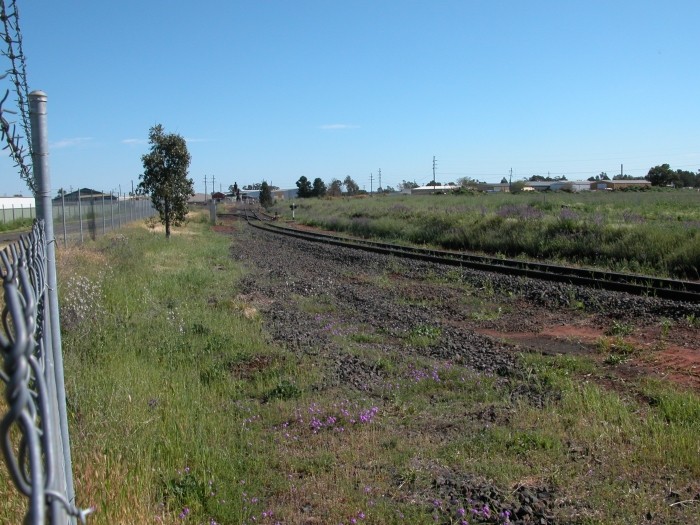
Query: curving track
point(676, 290)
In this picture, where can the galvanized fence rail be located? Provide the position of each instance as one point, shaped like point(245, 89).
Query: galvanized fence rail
point(30, 433)
point(88, 217)
point(14, 213)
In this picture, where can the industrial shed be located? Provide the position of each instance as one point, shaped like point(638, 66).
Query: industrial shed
point(575, 185)
point(620, 184)
point(431, 190)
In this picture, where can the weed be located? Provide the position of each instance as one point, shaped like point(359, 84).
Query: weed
point(488, 315)
point(615, 345)
point(284, 390)
point(666, 325)
point(423, 335)
point(619, 329)
point(693, 321)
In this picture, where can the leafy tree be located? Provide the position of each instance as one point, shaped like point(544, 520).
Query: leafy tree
point(335, 189)
point(517, 187)
point(265, 195)
point(619, 177)
point(164, 176)
point(504, 181)
point(434, 183)
point(304, 188)
point(407, 185)
point(319, 188)
point(467, 182)
point(351, 187)
point(388, 189)
point(687, 179)
point(661, 175)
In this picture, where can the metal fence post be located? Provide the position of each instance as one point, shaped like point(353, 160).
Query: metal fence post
point(80, 215)
point(104, 217)
point(63, 214)
point(40, 161)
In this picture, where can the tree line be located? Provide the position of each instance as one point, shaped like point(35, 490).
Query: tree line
point(663, 175)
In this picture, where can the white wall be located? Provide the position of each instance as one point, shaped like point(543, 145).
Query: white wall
point(17, 202)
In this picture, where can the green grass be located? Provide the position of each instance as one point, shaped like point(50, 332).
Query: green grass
point(16, 225)
point(654, 232)
point(177, 401)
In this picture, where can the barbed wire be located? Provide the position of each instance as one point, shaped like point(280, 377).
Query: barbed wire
point(20, 147)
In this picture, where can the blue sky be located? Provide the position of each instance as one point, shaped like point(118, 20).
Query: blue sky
point(273, 90)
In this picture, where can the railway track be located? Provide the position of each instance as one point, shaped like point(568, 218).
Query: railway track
point(676, 290)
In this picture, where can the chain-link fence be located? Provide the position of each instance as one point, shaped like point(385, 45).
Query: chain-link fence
point(92, 216)
point(15, 213)
point(31, 437)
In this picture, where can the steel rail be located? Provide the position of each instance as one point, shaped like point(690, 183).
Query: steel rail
point(676, 290)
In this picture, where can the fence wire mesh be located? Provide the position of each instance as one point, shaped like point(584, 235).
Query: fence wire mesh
point(30, 436)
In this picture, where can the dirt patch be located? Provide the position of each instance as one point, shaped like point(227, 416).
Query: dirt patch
point(222, 228)
point(653, 356)
point(681, 365)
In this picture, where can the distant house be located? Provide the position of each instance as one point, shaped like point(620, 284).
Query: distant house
point(13, 208)
point(574, 185)
point(17, 202)
point(84, 194)
point(493, 188)
point(431, 190)
point(619, 184)
point(282, 195)
point(538, 185)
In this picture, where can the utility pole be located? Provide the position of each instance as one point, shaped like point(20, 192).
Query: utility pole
point(434, 166)
point(380, 178)
point(206, 188)
point(213, 189)
point(510, 181)
point(371, 179)
point(622, 173)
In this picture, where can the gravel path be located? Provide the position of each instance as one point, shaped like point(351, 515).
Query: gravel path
point(309, 294)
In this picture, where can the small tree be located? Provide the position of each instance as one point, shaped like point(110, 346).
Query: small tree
point(304, 187)
point(164, 176)
point(319, 187)
point(265, 195)
point(407, 185)
point(335, 189)
point(351, 187)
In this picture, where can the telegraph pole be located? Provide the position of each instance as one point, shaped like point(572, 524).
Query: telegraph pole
point(380, 178)
point(213, 189)
point(510, 181)
point(371, 179)
point(206, 188)
point(434, 166)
